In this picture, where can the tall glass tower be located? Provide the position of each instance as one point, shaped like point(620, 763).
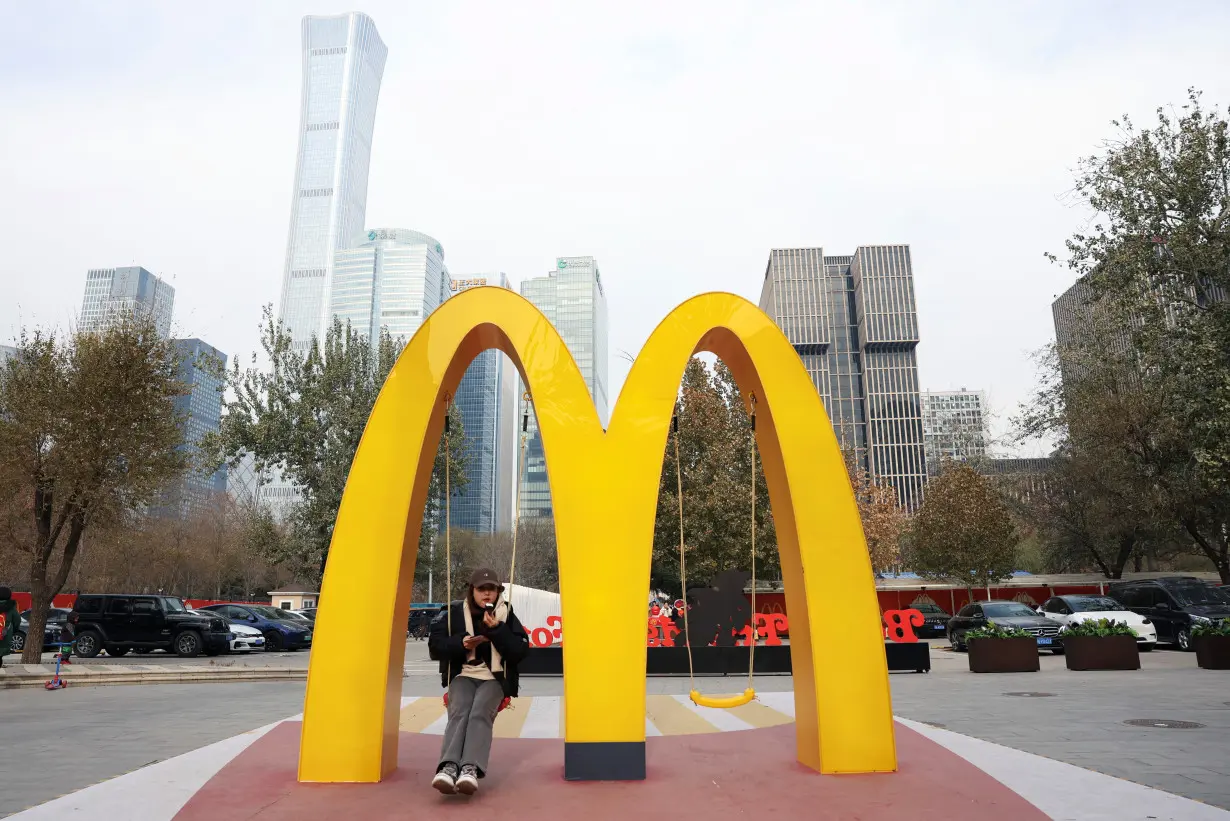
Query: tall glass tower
point(573, 299)
point(343, 63)
point(201, 369)
point(388, 277)
point(853, 322)
point(112, 291)
point(487, 398)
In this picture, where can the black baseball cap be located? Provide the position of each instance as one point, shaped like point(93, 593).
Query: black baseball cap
point(485, 575)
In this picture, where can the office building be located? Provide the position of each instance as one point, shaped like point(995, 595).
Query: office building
point(111, 292)
point(954, 426)
point(201, 369)
point(853, 322)
point(6, 351)
point(343, 63)
point(388, 278)
point(573, 299)
point(487, 399)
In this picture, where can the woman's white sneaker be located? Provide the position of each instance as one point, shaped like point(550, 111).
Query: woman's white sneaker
point(446, 779)
point(467, 782)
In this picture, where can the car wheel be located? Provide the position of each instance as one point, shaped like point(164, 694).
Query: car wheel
point(1146, 647)
point(955, 641)
point(188, 645)
point(273, 642)
point(142, 651)
point(117, 651)
point(19, 642)
point(87, 645)
point(1184, 639)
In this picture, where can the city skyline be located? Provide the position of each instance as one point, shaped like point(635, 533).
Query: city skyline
point(343, 63)
point(571, 296)
point(854, 324)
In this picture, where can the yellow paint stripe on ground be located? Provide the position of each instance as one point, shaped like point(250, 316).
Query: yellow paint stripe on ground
point(508, 723)
point(672, 718)
point(418, 715)
point(759, 715)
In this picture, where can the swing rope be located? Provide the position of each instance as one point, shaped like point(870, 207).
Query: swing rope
point(525, 425)
point(750, 693)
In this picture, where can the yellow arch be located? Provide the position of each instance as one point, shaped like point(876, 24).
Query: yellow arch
point(604, 488)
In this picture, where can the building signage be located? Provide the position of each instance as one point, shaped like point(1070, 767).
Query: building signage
point(460, 284)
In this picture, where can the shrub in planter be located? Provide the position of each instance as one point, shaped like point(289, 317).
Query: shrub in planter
point(995, 649)
point(1212, 643)
point(1100, 644)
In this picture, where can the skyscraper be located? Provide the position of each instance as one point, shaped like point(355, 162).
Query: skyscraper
point(388, 277)
point(201, 369)
point(487, 398)
point(954, 426)
point(853, 322)
point(573, 299)
point(110, 292)
point(343, 63)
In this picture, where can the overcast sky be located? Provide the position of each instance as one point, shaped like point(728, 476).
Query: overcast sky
point(675, 142)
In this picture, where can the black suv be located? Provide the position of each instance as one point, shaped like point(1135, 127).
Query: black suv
point(119, 622)
point(1175, 604)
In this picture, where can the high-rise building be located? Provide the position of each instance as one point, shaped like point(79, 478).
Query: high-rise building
point(487, 399)
point(110, 292)
point(6, 351)
point(388, 278)
point(853, 322)
point(573, 299)
point(954, 426)
point(201, 369)
point(343, 63)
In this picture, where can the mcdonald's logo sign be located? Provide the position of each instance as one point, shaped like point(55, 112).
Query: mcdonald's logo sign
point(604, 487)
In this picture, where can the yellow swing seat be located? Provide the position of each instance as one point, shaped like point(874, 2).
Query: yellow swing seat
point(723, 702)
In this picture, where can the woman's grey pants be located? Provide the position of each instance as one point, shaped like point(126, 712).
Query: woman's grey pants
point(472, 707)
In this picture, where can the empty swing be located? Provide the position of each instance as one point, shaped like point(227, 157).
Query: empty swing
point(697, 697)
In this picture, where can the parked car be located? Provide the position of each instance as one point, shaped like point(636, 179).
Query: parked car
point(1175, 604)
point(247, 638)
point(1073, 609)
point(119, 622)
point(935, 621)
point(308, 613)
point(281, 630)
point(1005, 614)
point(55, 632)
point(298, 614)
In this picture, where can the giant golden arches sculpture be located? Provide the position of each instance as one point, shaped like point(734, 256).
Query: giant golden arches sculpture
point(604, 487)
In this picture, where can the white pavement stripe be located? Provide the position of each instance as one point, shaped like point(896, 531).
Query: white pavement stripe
point(718, 718)
point(782, 702)
point(542, 721)
point(650, 729)
point(1066, 792)
point(437, 727)
point(153, 793)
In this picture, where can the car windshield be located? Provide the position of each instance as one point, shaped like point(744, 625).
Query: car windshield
point(174, 605)
point(274, 613)
point(1085, 604)
point(1006, 609)
point(1201, 594)
point(929, 610)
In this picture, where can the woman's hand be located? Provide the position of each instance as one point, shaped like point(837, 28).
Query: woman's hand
point(490, 620)
point(470, 642)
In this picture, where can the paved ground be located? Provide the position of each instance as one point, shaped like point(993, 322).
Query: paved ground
point(77, 737)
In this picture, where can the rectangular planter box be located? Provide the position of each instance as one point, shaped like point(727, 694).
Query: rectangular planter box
point(1003, 655)
point(1101, 653)
point(1212, 652)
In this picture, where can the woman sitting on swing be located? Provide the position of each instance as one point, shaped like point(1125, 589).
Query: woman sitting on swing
point(478, 642)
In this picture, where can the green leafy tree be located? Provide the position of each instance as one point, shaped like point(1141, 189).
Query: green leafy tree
point(963, 532)
point(1157, 265)
point(716, 458)
point(88, 435)
point(304, 414)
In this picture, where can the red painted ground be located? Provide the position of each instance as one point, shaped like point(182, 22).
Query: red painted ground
point(715, 776)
